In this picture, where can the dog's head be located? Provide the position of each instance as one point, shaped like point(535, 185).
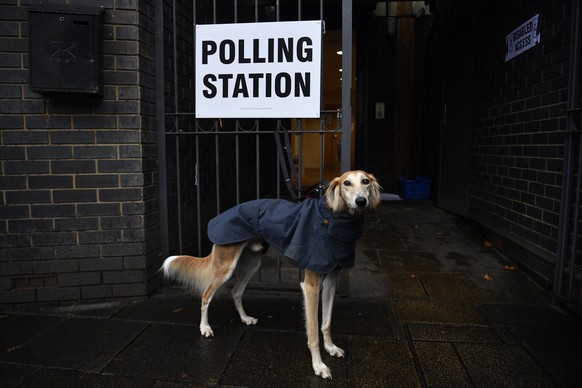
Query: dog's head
point(353, 191)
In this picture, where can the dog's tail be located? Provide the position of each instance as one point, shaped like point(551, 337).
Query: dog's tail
point(191, 272)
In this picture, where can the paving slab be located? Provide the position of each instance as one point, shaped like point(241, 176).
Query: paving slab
point(454, 286)
point(70, 378)
point(366, 279)
point(22, 329)
point(409, 261)
point(177, 353)
point(405, 285)
point(12, 375)
point(367, 260)
point(170, 306)
point(362, 317)
point(407, 310)
point(515, 288)
point(508, 314)
point(440, 365)
point(88, 310)
point(274, 310)
point(456, 333)
point(381, 239)
point(83, 344)
point(382, 363)
point(502, 365)
point(551, 337)
point(270, 359)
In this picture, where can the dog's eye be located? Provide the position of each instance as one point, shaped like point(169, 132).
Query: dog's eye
point(347, 183)
point(365, 181)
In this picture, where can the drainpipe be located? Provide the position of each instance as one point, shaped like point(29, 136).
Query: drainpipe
point(565, 247)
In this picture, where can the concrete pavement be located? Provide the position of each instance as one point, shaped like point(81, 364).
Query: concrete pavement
point(428, 304)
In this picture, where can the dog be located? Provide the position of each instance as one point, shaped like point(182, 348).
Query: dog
point(318, 235)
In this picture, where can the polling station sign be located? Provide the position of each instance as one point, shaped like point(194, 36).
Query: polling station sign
point(522, 38)
point(256, 70)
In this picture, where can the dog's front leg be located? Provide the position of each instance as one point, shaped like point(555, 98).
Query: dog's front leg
point(310, 287)
point(327, 297)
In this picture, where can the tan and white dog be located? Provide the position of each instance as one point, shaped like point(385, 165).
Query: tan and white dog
point(332, 225)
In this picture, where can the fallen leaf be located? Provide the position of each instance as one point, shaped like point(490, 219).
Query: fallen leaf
point(510, 268)
point(10, 350)
point(488, 277)
point(488, 244)
point(178, 310)
point(413, 275)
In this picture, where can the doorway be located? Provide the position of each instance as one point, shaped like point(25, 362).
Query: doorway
point(319, 144)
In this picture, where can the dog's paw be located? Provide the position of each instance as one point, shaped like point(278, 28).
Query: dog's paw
point(335, 351)
point(322, 370)
point(250, 321)
point(206, 331)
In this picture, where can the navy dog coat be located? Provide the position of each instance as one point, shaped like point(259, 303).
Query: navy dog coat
point(308, 233)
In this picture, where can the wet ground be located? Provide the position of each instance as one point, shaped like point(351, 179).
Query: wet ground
point(429, 303)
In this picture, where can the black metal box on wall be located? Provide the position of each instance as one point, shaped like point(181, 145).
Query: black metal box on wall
point(65, 49)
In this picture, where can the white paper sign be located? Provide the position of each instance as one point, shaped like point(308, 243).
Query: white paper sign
point(256, 70)
point(522, 38)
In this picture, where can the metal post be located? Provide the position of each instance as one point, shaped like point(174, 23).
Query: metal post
point(179, 194)
point(258, 160)
point(569, 151)
point(177, 124)
point(346, 142)
point(161, 128)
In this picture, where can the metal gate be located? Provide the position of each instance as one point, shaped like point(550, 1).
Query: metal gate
point(207, 166)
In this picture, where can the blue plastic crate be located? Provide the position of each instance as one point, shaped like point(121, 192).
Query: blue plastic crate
point(417, 188)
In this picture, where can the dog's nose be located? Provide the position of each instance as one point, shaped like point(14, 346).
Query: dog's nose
point(361, 202)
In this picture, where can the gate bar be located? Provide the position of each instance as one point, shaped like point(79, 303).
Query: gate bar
point(569, 159)
point(346, 142)
point(161, 127)
point(177, 124)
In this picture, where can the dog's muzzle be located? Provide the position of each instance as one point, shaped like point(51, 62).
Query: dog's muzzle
point(361, 202)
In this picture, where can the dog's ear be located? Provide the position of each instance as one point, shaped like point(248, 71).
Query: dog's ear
point(333, 195)
point(375, 197)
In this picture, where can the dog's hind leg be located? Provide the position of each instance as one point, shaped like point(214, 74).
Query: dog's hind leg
point(249, 263)
point(224, 260)
point(310, 287)
point(327, 297)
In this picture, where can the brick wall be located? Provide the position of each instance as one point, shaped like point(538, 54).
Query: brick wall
point(78, 194)
point(518, 133)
